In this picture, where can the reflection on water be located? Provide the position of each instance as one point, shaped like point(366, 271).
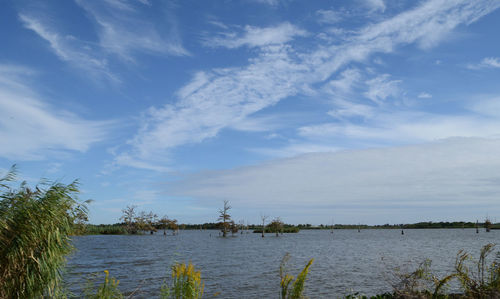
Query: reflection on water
point(247, 266)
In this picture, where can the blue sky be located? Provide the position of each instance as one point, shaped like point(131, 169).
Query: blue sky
point(365, 111)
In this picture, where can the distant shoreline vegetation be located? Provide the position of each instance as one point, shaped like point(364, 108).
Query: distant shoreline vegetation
point(142, 222)
point(121, 228)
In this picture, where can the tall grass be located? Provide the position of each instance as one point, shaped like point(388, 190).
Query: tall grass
point(34, 229)
point(478, 278)
point(105, 229)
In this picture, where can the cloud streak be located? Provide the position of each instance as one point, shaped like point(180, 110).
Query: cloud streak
point(69, 49)
point(34, 130)
point(125, 31)
point(405, 127)
point(255, 36)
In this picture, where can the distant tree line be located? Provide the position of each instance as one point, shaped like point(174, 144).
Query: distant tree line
point(135, 222)
point(141, 221)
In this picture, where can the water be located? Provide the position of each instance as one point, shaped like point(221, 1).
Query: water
point(247, 266)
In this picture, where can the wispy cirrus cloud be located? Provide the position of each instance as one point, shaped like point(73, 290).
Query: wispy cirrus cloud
point(375, 5)
point(123, 29)
point(329, 16)
point(68, 48)
point(268, 2)
point(251, 36)
point(219, 98)
point(123, 32)
point(382, 87)
point(34, 129)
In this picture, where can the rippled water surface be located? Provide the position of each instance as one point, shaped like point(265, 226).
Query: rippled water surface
point(247, 266)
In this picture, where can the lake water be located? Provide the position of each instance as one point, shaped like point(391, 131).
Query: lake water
point(247, 266)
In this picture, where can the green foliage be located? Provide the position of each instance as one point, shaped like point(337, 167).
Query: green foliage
point(107, 290)
point(186, 283)
point(286, 230)
point(276, 226)
point(361, 296)
point(420, 283)
point(297, 288)
point(477, 278)
point(35, 225)
point(105, 229)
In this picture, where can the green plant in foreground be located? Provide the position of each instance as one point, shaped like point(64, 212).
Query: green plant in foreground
point(35, 225)
point(107, 290)
point(420, 283)
point(297, 287)
point(477, 278)
point(186, 283)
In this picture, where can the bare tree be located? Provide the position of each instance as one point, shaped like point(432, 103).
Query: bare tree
point(129, 216)
point(174, 226)
point(234, 227)
point(263, 218)
point(242, 226)
point(225, 218)
point(151, 220)
point(164, 223)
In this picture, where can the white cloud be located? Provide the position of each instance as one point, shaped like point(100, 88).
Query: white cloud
point(407, 183)
point(381, 88)
point(70, 49)
point(33, 129)
point(259, 124)
point(427, 24)
point(295, 149)
point(404, 183)
point(488, 62)
point(345, 83)
point(407, 127)
point(124, 31)
point(268, 2)
point(375, 5)
point(256, 36)
point(328, 16)
point(490, 106)
point(345, 109)
point(424, 95)
point(221, 98)
point(492, 62)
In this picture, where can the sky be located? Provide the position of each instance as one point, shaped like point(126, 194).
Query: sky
point(355, 111)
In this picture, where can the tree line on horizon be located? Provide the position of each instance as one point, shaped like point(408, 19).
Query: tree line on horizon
point(136, 222)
